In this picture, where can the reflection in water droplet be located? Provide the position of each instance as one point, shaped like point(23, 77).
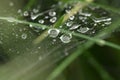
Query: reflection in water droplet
point(83, 29)
point(66, 38)
point(53, 32)
point(53, 20)
point(24, 36)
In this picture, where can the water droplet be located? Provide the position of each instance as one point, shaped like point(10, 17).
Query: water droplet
point(53, 32)
point(103, 19)
point(85, 14)
point(66, 38)
point(24, 36)
point(69, 23)
point(72, 17)
point(26, 13)
point(83, 29)
point(41, 21)
point(35, 10)
point(82, 18)
point(46, 17)
point(53, 20)
point(75, 26)
point(52, 13)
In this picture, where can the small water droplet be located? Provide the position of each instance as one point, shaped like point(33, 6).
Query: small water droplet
point(53, 20)
point(52, 13)
point(53, 32)
point(41, 21)
point(35, 10)
point(26, 13)
point(82, 18)
point(24, 36)
point(83, 29)
point(46, 17)
point(69, 23)
point(66, 38)
point(72, 17)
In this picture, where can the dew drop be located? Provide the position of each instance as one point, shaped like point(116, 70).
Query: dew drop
point(85, 14)
point(69, 23)
point(46, 17)
point(66, 38)
point(53, 20)
point(83, 29)
point(41, 21)
point(52, 13)
point(72, 17)
point(75, 26)
point(98, 20)
point(26, 13)
point(35, 10)
point(24, 36)
point(53, 32)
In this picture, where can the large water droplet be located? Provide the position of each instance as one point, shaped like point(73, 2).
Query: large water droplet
point(53, 32)
point(66, 38)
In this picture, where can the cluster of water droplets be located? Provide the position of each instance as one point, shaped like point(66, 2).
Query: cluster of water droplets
point(87, 21)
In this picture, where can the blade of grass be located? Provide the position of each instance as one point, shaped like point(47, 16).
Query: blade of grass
point(79, 51)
